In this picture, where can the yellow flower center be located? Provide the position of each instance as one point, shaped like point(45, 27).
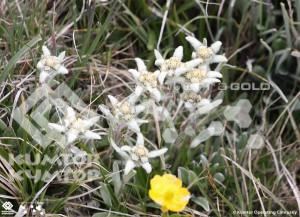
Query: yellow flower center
point(52, 62)
point(140, 151)
point(148, 79)
point(77, 125)
point(171, 64)
point(205, 52)
point(126, 110)
point(191, 96)
point(169, 196)
point(195, 76)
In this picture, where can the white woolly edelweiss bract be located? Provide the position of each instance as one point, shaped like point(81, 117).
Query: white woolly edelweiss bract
point(194, 102)
point(200, 77)
point(206, 54)
point(37, 210)
point(174, 65)
point(75, 127)
point(124, 112)
point(138, 155)
point(50, 65)
point(146, 81)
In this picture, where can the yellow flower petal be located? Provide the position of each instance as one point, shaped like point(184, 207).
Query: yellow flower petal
point(167, 191)
point(172, 180)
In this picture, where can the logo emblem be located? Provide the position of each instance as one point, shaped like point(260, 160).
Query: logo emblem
point(7, 205)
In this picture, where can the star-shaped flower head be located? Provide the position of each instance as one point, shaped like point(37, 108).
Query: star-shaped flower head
point(138, 155)
point(75, 127)
point(194, 102)
point(38, 211)
point(200, 77)
point(206, 54)
point(174, 65)
point(146, 81)
point(50, 65)
point(124, 112)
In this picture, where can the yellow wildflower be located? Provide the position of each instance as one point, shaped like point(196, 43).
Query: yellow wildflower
point(167, 191)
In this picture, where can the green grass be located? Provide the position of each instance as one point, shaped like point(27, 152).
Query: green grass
point(101, 41)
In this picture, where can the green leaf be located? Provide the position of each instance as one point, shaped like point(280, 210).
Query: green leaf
point(176, 215)
point(201, 201)
point(187, 176)
point(116, 179)
point(286, 20)
point(105, 194)
point(105, 214)
point(204, 160)
point(183, 174)
point(9, 132)
point(12, 62)
point(2, 125)
point(151, 40)
point(219, 177)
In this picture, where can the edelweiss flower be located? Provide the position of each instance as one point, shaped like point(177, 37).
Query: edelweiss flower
point(206, 54)
point(167, 191)
point(199, 77)
point(124, 112)
point(38, 211)
point(75, 127)
point(194, 102)
point(50, 66)
point(137, 155)
point(146, 81)
point(174, 65)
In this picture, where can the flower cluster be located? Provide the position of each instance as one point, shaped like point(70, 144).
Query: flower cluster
point(175, 94)
point(33, 210)
point(189, 83)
